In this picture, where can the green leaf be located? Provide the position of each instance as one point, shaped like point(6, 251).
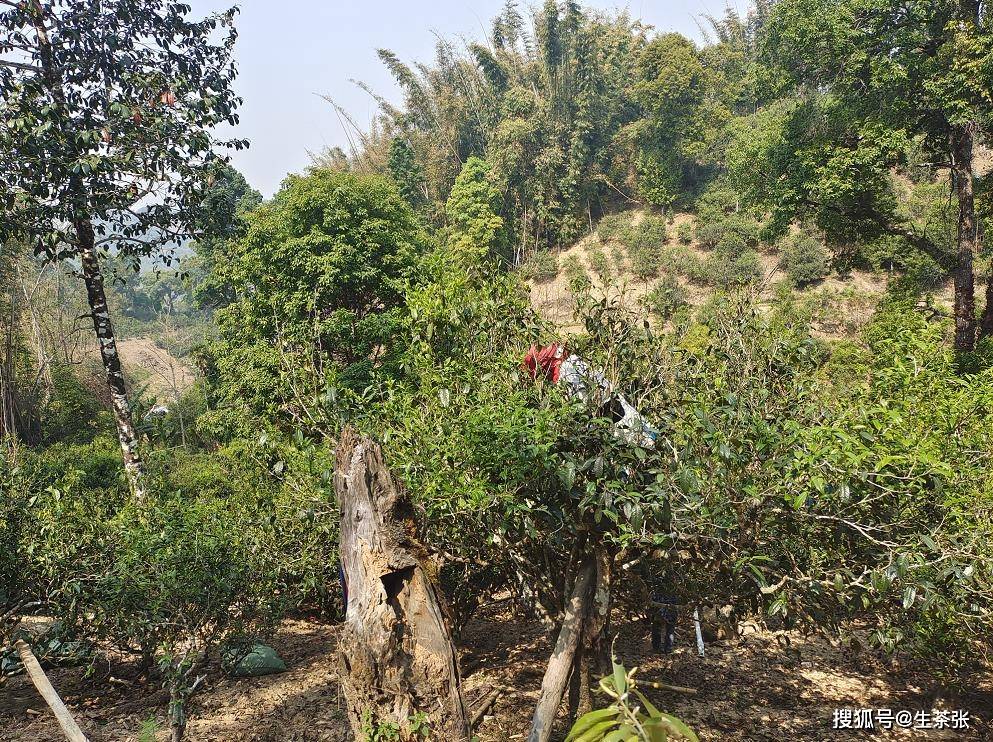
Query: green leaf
point(909, 595)
point(588, 721)
point(649, 707)
point(596, 732)
point(656, 732)
point(620, 679)
point(677, 726)
point(622, 733)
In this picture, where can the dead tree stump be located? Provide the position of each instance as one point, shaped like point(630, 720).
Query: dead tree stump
point(396, 652)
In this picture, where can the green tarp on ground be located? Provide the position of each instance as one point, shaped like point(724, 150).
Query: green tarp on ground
point(251, 661)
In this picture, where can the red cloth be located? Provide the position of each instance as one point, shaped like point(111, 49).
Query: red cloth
point(544, 360)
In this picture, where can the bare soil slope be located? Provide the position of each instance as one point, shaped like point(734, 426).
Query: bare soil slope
point(841, 304)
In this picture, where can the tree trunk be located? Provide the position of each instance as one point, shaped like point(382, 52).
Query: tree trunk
point(965, 299)
point(580, 698)
point(396, 652)
point(597, 626)
point(593, 655)
point(561, 664)
point(133, 465)
point(986, 323)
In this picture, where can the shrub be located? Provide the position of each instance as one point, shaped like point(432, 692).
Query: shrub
point(804, 259)
point(542, 267)
point(651, 231)
point(575, 272)
point(72, 412)
point(645, 262)
point(330, 245)
point(473, 210)
point(925, 272)
point(678, 259)
point(627, 705)
point(170, 577)
point(617, 255)
point(665, 298)
point(684, 232)
point(731, 245)
point(600, 265)
point(724, 271)
point(611, 227)
point(737, 227)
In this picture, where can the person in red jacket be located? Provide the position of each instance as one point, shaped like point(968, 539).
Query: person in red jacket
point(583, 382)
point(552, 363)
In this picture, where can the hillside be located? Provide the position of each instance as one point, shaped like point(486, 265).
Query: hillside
point(840, 304)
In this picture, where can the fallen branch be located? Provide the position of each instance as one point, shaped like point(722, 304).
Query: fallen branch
point(673, 688)
point(69, 726)
point(485, 706)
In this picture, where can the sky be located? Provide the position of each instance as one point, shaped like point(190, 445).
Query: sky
point(291, 52)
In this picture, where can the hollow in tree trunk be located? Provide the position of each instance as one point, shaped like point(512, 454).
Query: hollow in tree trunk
point(396, 654)
point(97, 299)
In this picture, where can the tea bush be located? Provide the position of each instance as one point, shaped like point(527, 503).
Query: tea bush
point(665, 298)
point(804, 259)
point(542, 267)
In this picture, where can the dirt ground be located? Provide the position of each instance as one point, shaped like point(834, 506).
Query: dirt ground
point(762, 686)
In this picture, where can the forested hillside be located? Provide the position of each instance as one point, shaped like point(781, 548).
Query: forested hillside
point(598, 340)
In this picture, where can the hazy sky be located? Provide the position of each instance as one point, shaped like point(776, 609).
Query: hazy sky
point(290, 51)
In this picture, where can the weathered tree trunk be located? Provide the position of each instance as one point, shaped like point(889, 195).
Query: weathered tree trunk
point(396, 652)
point(133, 465)
point(563, 658)
point(965, 299)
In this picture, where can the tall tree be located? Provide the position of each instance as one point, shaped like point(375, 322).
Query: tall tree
point(892, 70)
point(680, 118)
point(105, 140)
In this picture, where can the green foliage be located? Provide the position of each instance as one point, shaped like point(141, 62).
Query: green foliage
point(149, 730)
point(613, 227)
point(651, 232)
point(684, 233)
point(222, 217)
point(644, 244)
point(575, 272)
point(545, 110)
point(71, 412)
point(804, 259)
point(542, 267)
point(665, 298)
point(722, 223)
point(645, 263)
point(727, 269)
point(123, 106)
point(406, 173)
point(321, 267)
point(473, 212)
point(630, 717)
point(601, 265)
point(681, 116)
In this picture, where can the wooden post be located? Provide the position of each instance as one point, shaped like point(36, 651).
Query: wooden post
point(561, 663)
point(396, 652)
point(69, 726)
